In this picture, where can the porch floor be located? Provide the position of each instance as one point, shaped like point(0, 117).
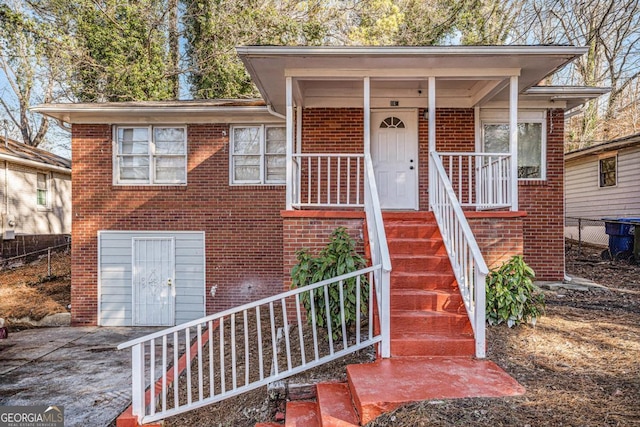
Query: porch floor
point(389, 383)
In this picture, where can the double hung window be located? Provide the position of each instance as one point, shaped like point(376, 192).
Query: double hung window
point(150, 155)
point(258, 154)
point(42, 190)
point(608, 171)
point(531, 144)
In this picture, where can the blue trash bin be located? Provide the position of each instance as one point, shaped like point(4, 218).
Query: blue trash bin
point(621, 235)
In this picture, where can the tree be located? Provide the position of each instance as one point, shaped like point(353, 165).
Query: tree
point(121, 51)
point(30, 60)
point(611, 31)
point(214, 28)
point(487, 22)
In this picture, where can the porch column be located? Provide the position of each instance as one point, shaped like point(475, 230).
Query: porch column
point(367, 116)
point(432, 131)
point(289, 132)
point(513, 139)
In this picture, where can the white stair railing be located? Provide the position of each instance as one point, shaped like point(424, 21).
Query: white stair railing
point(379, 255)
point(247, 347)
point(466, 259)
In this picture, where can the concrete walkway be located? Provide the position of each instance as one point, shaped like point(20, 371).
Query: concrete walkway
point(78, 368)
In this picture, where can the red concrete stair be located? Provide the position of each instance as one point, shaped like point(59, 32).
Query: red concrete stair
point(302, 414)
point(387, 384)
point(427, 299)
point(432, 341)
point(335, 405)
point(428, 317)
point(423, 280)
point(418, 344)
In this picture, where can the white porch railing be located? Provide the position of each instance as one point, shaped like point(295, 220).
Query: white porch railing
point(480, 180)
point(230, 359)
point(328, 180)
point(466, 259)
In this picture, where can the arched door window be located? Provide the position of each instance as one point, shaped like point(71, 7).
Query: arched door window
point(392, 123)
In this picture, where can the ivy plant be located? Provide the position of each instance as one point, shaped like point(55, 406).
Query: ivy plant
point(511, 295)
point(337, 258)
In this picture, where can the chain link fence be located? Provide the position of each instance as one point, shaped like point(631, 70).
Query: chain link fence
point(585, 231)
point(589, 232)
point(51, 254)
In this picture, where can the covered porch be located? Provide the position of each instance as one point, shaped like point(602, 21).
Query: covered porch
point(406, 108)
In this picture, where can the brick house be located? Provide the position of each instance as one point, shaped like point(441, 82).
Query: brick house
point(191, 207)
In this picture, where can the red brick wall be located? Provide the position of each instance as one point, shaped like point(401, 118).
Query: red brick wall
point(455, 131)
point(499, 238)
point(544, 203)
point(332, 130)
point(312, 230)
point(242, 224)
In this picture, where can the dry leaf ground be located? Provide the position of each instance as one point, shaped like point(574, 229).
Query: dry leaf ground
point(27, 291)
point(580, 365)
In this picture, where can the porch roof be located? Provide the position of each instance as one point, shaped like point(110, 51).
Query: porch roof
point(466, 75)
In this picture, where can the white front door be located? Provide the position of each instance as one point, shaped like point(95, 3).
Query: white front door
point(153, 277)
point(394, 152)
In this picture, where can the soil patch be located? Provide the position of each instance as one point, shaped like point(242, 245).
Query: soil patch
point(28, 290)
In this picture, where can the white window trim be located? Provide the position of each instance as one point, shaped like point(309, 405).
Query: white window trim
point(600, 159)
point(47, 205)
point(501, 117)
point(152, 157)
point(263, 147)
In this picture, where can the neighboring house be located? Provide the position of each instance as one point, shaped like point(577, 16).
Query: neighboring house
point(36, 197)
point(602, 181)
point(191, 207)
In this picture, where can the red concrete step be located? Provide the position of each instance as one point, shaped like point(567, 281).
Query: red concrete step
point(413, 230)
point(413, 246)
point(336, 406)
point(428, 322)
point(408, 216)
point(422, 299)
point(273, 424)
point(389, 383)
point(418, 344)
point(423, 280)
point(302, 414)
point(420, 263)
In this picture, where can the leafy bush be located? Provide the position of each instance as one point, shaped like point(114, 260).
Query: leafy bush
point(337, 258)
point(511, 296)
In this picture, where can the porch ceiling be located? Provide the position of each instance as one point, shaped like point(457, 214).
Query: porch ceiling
point(465, 75)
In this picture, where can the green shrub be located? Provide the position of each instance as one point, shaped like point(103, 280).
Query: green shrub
point(511, 296)
point(337, 258)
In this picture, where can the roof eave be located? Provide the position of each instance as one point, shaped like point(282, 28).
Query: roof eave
point(35, 164)
point(408, 50)
point(615, 144)
point(113, 113)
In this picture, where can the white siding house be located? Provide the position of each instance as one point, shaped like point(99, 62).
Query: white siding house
point(35, 190)
point(602, 181)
